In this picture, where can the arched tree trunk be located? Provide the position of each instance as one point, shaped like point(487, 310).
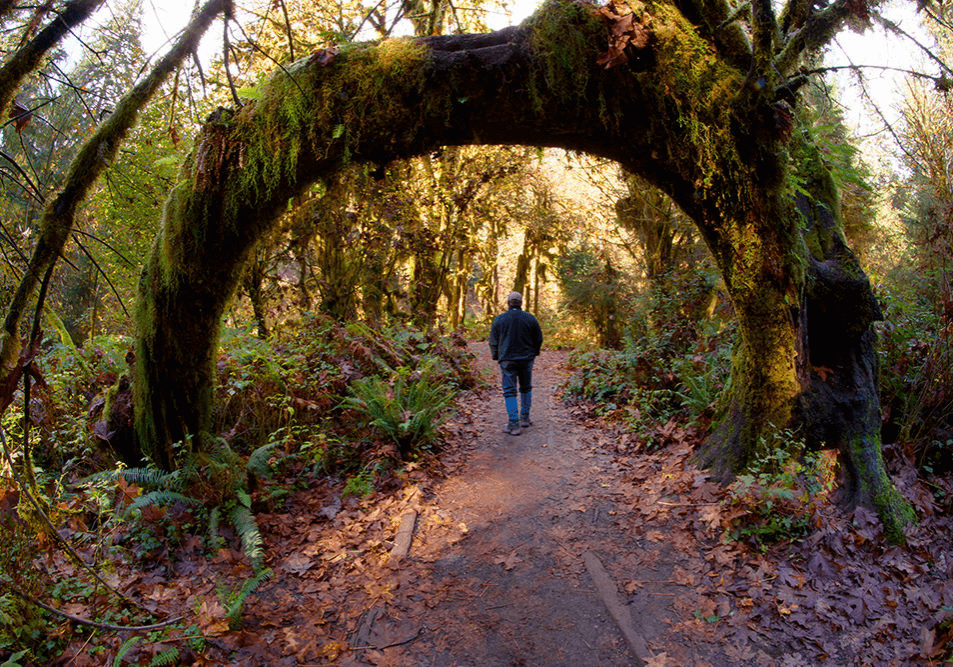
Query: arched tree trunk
point(685, 108)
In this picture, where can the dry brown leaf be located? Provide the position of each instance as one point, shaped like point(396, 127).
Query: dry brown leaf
point(508, 561)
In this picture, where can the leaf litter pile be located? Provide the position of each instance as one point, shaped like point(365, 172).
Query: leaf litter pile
point(494, 572)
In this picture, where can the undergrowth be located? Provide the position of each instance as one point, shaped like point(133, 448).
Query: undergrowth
point(285, 418)
point(776, 500)
point(653, 380)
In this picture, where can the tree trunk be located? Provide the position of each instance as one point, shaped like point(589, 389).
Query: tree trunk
point(682, 114)
point(254, 287)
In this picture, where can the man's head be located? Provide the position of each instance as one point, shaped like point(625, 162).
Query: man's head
point(514, 300)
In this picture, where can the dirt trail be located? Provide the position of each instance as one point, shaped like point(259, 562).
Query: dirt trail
point(511, 536)
point(515, 589)
point(509, 531)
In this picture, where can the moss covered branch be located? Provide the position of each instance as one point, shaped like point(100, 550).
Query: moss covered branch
point(93, 158)
point(672, 113)
point(27, 58)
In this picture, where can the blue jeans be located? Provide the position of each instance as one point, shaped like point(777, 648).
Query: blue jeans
point(517, 373)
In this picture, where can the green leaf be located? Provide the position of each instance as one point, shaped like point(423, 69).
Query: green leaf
point(250, 93)
point(169, 161)
point(14, 660)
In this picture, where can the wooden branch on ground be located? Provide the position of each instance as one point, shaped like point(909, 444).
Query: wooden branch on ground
point(405, 536)
point(617, 609)
point(93, 624)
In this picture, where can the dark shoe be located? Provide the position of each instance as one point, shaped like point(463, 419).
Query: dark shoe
point(525, 422)
point(512, 428)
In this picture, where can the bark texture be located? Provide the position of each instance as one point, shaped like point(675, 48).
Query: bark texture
point(690, 106)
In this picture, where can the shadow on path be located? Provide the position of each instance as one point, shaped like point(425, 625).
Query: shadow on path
point(515, 589)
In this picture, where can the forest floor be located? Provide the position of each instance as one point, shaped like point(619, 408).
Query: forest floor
point(557, 548)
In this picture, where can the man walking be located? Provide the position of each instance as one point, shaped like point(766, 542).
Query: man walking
point(515, 339)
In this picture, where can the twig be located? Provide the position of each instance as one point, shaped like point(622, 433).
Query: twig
point(291, 42)
point(500, 606)
point(417, 634)
point(103, 273)
point(93, 624)
point(662, 502)
point(226, 47)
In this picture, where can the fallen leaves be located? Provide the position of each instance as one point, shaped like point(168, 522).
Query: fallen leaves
point(508, 561)
point(212, 617)
point(839, 593)
point(627, 35)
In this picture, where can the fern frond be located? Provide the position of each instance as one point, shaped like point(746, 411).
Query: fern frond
point(247, 528)
point(160, 498)
point(243, 497)
point(214, 538)
point(168, 657)
point(258, 460)
point(123, 650)
point(236, 601)
point(150, 478)
point(8, 610)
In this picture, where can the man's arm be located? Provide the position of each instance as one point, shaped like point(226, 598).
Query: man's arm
point(494, 340)
point(538, 336)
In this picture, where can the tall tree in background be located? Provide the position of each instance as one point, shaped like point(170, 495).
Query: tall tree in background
point(927, 416)
point(594, 289)
point(60, 211)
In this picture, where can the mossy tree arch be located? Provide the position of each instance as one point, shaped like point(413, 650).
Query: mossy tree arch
point(692, 105)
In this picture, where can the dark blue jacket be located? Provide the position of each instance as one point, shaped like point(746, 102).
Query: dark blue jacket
point(515, 336)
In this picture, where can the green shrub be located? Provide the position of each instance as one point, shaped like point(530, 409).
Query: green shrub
point(916, 380)
point(408, 408)
point(645, 383)
point(297, 379)
point(596, 291)
point(776, 499)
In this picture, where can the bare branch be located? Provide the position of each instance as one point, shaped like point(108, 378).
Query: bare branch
point(93, 624)
point(291, 41)
point(226, 48)
point(254, 44)
point(34, 190)
point(103, 273)
point(116, 251)
point(890, 26)
point(883, 119)
point(882, 68)
point(365, 19)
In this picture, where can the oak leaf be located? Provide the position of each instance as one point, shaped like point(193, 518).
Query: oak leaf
point(508, 561)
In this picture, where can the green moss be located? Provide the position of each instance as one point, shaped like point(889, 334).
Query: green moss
point(894, 511)
point(322, 110)
point(700, 91)
point(561, 39)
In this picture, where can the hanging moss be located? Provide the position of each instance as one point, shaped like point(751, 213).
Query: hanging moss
point(323, 110)
point(562, 43)
point(697, 91)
